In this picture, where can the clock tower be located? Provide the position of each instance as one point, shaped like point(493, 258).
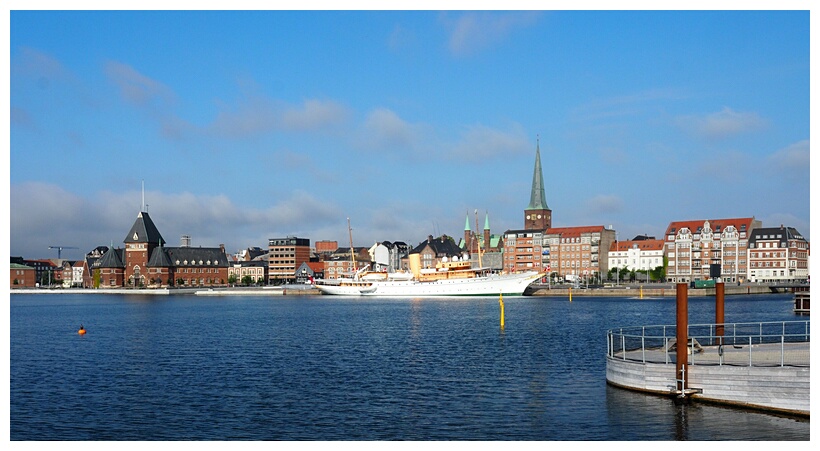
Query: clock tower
point(537, 215)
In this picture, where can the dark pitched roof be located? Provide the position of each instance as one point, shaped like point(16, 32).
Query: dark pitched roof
point(111, 259)
point(144, 231)
point(197, 256)
point(442, 246)
point(159, 259)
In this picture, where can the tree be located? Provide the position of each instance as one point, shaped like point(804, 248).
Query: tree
point(232, 279)
point(247, 280)
point(180, 282)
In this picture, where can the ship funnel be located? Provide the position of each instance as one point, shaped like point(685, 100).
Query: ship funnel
point(415, 264)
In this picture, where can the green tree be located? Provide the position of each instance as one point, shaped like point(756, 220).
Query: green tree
point(232, 279)
point(247, 280)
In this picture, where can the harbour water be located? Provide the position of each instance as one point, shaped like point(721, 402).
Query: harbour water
point(327, 368)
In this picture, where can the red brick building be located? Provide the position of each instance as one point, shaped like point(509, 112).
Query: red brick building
point(22, 276)
point(146, 262)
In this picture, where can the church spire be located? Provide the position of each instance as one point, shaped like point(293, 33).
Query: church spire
point(538, 199)
point(537, 215)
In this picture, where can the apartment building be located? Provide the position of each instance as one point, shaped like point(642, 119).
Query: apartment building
point(578, 252)
point(778, 254)
point(638, 254)
point(692, 246)
point(285, 255)
point(523, 251)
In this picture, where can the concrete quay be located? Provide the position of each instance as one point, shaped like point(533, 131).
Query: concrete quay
point(773, 377)
point(226, 291)
point(647, 291)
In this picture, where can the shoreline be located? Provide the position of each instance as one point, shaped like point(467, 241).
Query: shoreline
point(297, 290)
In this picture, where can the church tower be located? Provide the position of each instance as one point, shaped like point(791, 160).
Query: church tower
point(537, 215)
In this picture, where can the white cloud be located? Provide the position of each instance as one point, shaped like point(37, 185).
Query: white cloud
point(605, 203)
point(257, 114)
point(313, 115)
point(722, 124)
point(40, 66)
point(480, 143)
point(383, 129)
point(137, 88)
point(475, 31)
point(792, 158)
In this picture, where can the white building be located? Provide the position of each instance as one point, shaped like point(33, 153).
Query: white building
point(640, 254)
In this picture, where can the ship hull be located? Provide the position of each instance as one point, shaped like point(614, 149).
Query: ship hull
point(492, 285)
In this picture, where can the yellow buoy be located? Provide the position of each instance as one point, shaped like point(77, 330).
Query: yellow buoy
point(501, 303)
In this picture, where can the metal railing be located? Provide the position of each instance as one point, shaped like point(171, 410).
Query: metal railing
point(783, 343)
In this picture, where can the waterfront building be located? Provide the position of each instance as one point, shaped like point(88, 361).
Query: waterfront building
point(255, 271)
point(307, 272)
point(639, 254)
point(285, 255)
point(579, 253)
point(147, 262)
point(22, 276)
point(692, 246)
point(522, 251)
point(46, 271)
point(778, 254)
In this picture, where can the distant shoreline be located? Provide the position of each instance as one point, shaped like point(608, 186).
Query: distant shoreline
point(294, 290)
point(201, 291)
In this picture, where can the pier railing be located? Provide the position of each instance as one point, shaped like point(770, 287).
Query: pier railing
point(783, 343)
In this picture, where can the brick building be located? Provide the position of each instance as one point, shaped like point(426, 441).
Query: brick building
point(147, 262)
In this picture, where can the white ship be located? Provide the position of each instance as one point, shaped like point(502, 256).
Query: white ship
point(450, 278)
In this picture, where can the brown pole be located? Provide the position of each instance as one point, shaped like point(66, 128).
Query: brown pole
point(682, 335)
point(719, 320)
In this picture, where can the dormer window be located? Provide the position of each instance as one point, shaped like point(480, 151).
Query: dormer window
point(136, 237)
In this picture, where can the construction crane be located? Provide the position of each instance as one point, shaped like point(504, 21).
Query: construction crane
point(60, 250)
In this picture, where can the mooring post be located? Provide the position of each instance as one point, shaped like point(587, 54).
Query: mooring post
point(682, 336)
point(719, 319)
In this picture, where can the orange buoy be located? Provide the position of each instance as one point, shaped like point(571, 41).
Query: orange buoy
point(81, 331)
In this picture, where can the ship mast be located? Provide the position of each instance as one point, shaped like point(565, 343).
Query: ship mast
point(480, 265)
point(352, 254)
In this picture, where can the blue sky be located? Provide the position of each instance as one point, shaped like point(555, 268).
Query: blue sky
point(249, 125)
